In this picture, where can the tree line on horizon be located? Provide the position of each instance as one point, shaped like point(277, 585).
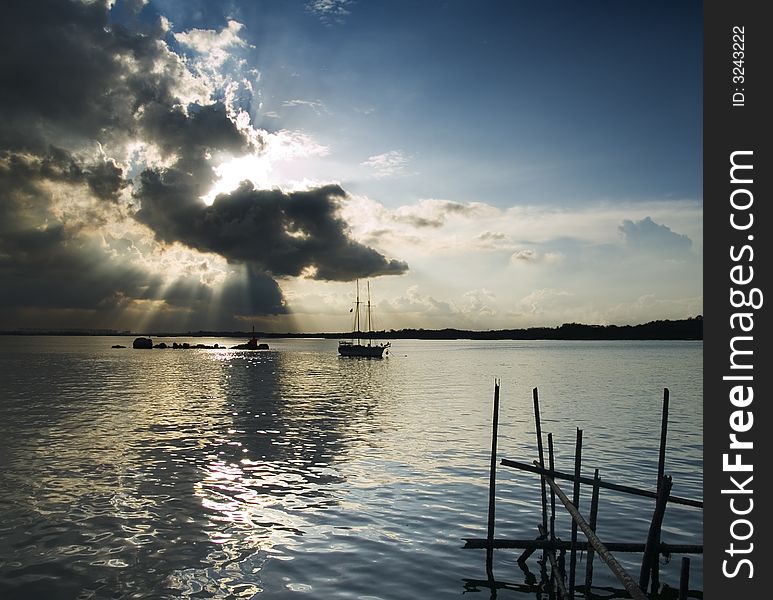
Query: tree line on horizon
point(680, 329)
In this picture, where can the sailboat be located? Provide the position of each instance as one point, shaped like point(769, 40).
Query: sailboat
point(362, 344)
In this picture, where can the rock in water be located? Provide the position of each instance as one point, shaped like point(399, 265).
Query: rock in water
point(143, 343)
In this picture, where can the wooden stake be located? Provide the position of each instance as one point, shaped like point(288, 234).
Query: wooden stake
point(492, 485)
point(655, 566)
point(684, 578)
point(663, 435)
point(594, 510)
point(576, 503)
point(556, 570)
point(538, 423)
point(552, 465)
point(541, 453)
point(653, 538)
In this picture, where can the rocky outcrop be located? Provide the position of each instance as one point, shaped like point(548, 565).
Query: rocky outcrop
point(143, 343)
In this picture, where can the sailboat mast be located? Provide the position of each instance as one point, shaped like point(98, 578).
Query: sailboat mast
point(357, 310)
point(370, 322)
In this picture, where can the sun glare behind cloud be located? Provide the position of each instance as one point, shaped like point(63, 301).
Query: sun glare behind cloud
point(252, 167)
point(279, 147)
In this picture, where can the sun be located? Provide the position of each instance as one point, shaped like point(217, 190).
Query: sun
point(281, 162)
point(251, 167)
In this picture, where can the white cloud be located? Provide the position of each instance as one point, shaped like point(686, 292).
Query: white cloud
point(647, 234)
point(330, 11)
point(444, 227)
point(480, 303)
point(539, 301)
point(214, 46)
point(316, 105)
point(529, 256)
point(216, 54)
point(542, 265)
point(387, 164)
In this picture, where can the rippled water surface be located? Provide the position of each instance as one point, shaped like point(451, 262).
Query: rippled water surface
point(294, 473)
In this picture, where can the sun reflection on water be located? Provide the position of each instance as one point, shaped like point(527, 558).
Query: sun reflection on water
point(225, 473)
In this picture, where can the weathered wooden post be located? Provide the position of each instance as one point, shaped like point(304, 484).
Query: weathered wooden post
point(684, 578)
point(655, 566)
point(652, 547)
point(556, 572)
point(543, 529)
point(576, 503)
point(663, 435)
point(594, 511)
point(552, 464)
point(492, 486)
point(538, 422)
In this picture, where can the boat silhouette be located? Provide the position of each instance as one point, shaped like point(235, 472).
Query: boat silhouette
point(252, 344)
point(362, 343)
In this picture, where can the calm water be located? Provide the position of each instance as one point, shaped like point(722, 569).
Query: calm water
point(294, 473)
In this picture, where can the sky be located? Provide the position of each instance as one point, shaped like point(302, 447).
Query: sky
point(185, 165)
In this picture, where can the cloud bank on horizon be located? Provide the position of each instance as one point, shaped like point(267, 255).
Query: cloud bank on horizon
point(164, 176)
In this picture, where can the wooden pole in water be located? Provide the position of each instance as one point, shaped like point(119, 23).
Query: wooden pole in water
point(653, 538)
point(551, 535)
point(602, 551)
point(538, 423)
point(655, 566)
point(663, 434)
point(576, 503)
point(492, 485)
point(684, 578)
point(541, 453)
point(534, 468)
point(552, 465)
point(556, 572)
point(594, 511)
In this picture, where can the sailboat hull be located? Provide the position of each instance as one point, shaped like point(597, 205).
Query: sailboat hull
point(360, 350)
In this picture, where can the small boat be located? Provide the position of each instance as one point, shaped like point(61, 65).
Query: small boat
point(252, 344)
point(362, 344)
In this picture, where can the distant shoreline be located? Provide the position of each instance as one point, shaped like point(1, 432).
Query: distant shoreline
point(682, 329)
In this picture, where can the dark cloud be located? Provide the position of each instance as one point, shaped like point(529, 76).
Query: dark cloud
point(60, 266)
point(433, 213)
point(418, 221)
point(76, 89)
point(47, 263)
point(646, 234)
point(282, 233)
point(254, 294)
point(53, 268)
point(106, 179)
point(65, 73)
point(242, 294)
